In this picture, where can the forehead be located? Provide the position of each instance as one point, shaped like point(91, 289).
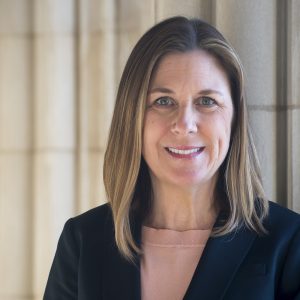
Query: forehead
point(196, 66)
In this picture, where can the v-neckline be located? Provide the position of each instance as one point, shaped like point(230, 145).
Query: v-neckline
point(227, 251)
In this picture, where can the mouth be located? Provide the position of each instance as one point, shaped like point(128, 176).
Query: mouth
point(184, 152)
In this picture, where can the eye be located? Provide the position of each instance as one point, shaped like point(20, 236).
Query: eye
point(206, 101)
point(164, 101)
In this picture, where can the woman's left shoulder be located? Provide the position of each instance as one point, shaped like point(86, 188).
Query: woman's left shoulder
point(282, 244)
point(281, 219)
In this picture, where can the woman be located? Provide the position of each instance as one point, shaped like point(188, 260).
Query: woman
point(186, 216)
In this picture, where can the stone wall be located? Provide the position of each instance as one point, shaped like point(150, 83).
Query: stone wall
point(60, 62)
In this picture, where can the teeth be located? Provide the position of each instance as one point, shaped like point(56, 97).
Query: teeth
point(184, 152)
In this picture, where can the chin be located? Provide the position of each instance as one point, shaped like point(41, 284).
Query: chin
point(189, 181)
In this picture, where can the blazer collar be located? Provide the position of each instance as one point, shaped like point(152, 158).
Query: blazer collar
point(216, 269)
point(219, 263)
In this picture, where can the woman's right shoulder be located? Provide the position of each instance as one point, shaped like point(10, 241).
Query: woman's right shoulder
point(92, 221)
point(96, 214)
point(80, 253)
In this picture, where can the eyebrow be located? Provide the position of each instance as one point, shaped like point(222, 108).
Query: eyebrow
point(160, 90)
point(169, 91)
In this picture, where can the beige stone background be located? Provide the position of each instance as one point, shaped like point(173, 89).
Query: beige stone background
point(60, 62)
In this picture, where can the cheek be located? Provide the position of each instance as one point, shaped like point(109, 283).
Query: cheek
point(151, 132)
point(154, 127)
point(224, 137)
point(146, 135)
point(218, 132)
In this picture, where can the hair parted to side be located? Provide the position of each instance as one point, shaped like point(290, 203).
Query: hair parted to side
point(126, 178)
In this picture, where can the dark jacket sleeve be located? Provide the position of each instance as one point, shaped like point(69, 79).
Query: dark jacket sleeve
point(62, 281)
point(290, 280)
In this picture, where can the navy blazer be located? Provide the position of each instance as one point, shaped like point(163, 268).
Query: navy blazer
point(238, 266)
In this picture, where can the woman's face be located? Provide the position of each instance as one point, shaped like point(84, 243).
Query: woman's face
point(188, 119)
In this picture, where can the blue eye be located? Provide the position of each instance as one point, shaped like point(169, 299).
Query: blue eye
point(164, 101)
point(206, 101)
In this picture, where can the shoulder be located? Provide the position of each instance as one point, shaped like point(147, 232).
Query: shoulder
point(283, 235)
point(91, 225)
point(80, 254)
point(282, 245)
point(278, 210)
point(282, 219)
point(95, 216)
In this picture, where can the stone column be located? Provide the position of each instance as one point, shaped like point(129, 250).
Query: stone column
point(54, 129)
point(293, 102)
point(96, 90)
point(251, 28)
point(15, 150)
point(133, 18)
point(190, 8)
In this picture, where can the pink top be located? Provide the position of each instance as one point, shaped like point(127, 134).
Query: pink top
point(169, 261)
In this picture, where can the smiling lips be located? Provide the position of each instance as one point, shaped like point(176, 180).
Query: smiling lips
point(184, 152)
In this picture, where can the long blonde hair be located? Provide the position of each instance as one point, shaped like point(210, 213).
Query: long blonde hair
point(126, 177)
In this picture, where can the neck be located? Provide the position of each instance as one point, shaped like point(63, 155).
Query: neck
point(182, 208)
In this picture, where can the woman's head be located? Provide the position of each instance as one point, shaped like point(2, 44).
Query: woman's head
point(126, 175)
point(187, 123)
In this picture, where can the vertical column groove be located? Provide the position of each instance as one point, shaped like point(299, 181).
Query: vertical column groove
point(282, 147)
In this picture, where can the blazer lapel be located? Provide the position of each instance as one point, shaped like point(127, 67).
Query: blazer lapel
point(217, 267)
point(219, 262)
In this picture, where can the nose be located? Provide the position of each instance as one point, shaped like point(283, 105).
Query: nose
point(185, 121)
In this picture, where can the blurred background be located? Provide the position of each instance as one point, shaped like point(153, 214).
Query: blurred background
point(60, 63)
